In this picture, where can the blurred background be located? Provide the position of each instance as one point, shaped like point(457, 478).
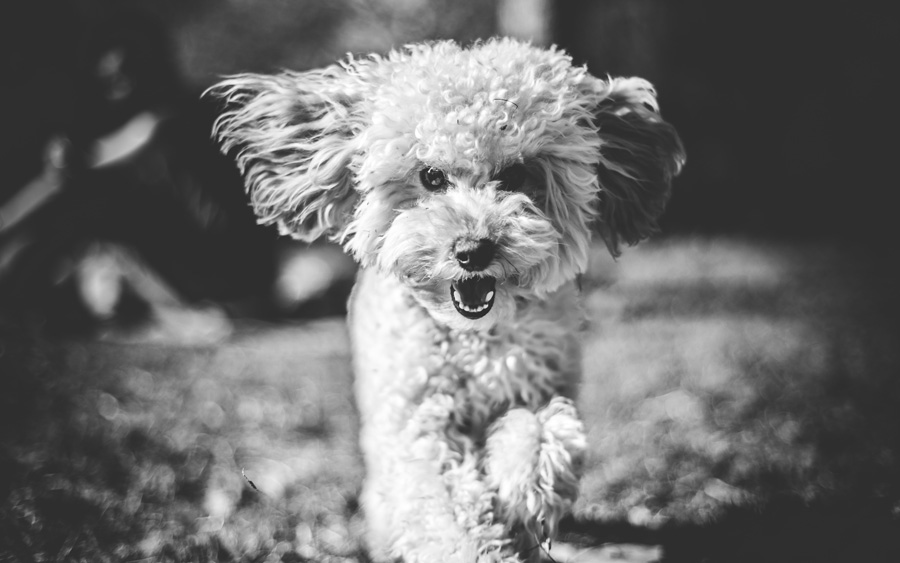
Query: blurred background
point(174, 379)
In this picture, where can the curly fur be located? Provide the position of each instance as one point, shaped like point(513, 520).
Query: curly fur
point(472, 442)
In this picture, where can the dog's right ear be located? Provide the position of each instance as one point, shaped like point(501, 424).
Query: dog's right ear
point(640, 154)
point(292, 137)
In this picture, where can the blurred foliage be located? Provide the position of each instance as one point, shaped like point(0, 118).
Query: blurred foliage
point(49, 49)
point(777, 104)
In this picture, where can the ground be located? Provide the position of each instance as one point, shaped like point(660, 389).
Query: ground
point(740, 398)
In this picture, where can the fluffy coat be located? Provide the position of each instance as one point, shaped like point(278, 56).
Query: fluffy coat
point(468, 183)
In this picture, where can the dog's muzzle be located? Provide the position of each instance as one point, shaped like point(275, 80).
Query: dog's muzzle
point(473, 297)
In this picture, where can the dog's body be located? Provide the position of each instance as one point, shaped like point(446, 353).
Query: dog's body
point(454, 423)
point(468, 184)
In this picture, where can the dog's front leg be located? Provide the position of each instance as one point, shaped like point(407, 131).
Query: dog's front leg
point(534, 463)
point(425, 499)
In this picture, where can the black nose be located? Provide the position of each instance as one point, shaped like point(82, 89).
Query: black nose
point(475, 255)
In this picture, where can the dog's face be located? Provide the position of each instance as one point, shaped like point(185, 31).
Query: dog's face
point(476, 176)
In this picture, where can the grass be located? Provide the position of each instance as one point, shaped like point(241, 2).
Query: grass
point(131, 452)
point(740, 399)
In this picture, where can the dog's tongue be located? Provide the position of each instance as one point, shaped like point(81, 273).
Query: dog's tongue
point(474, 297)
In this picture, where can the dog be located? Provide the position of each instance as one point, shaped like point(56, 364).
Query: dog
point(468, 183)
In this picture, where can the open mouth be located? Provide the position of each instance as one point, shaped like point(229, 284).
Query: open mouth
point(473, 297)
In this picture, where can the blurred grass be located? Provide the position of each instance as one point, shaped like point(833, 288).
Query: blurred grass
point(736, 392)
point(130, 452)
point(726, 372)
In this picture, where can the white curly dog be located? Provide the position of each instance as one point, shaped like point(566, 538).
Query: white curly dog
point(467, 183)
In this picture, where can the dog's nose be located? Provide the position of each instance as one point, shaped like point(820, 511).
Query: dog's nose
point(475, 255)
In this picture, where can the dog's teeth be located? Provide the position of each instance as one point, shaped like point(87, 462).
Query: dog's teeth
point(473, 308)
point(477, 309)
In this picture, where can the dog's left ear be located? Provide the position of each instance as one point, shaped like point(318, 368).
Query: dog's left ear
point(639, 155)
point(292, 137)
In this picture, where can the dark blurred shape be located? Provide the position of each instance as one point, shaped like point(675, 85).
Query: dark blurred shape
point(216, 38)
point(783, 106)
point(117, 205)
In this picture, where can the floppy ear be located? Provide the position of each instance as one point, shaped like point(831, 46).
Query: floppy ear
point(639, 155)
point(292, 137)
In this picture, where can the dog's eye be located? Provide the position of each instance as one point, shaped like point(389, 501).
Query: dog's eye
point(432, 178)
point(512, 177)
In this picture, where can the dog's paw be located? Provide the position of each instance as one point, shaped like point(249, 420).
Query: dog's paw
point(534, 463)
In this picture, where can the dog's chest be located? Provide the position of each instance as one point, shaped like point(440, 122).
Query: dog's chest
point(487, 374)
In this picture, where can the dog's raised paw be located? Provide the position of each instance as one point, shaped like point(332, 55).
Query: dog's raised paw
point(534, 463)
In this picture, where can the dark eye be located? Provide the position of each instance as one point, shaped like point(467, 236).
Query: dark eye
point(512, 177)
point(432, 178)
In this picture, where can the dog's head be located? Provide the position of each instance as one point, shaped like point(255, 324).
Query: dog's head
point(475, 175)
